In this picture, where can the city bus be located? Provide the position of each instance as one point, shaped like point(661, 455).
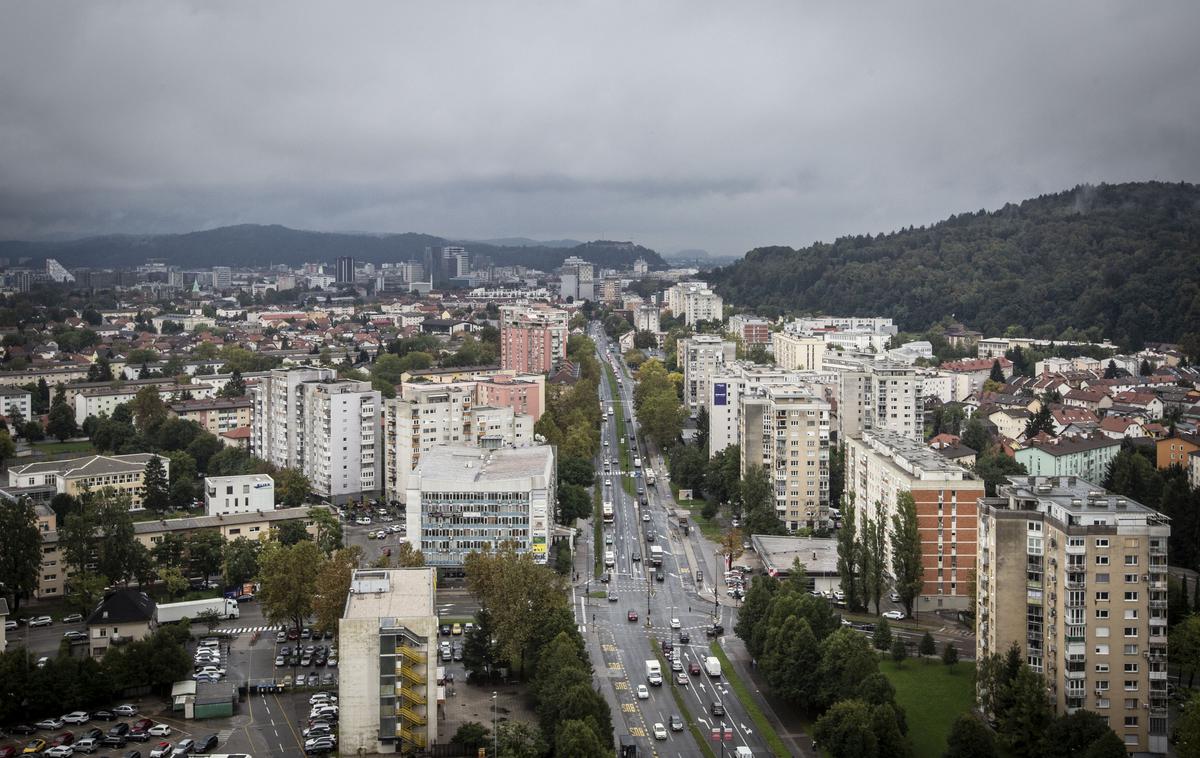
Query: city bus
point(608, 513)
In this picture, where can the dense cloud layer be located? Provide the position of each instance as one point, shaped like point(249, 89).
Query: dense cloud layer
point(711, 125)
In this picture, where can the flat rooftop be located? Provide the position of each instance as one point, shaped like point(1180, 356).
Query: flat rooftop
point(913, 457)
point(392, 593)
point(1071, 493)
point(461, 465)
point(818, 554)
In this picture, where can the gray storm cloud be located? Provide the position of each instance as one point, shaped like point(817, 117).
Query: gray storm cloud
point(682, 125)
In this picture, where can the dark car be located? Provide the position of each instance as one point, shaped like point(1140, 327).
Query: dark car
point(660, 575)
point(23, 729)
point(635, 556)
point(714, 631)
point(132, 754)
point(114, 740)
point(92, 734)
point(694, 668)
point(445, 630)
point(66, 738)
point(649, 536)
point(685, 638)
point(667, 647)
point(718, 709)
point(206, 744)
point(138, 734)
point(104, 715)
point(606, 577)
point(676, 723)
point(121, 729)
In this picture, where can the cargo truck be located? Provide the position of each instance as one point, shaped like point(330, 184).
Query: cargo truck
point(654, 673)
point(656, 555)
point(225, 608)
point(712, 665)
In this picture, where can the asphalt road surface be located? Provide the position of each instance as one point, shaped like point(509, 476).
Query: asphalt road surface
point(620, 648)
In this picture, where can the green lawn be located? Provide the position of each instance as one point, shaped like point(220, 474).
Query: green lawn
point(933, 697)
point(709, 528)
point(50, 448)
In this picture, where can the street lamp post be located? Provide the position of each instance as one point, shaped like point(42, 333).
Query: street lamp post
point(495, 734)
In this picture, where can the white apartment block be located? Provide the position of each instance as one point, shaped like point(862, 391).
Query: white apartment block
point(645, 318)
point(881, 395)
point(785, 429)
point(577, 279)
point(844, 323)
point(880, 465)
point(700, 357)
point(16, 400)
point(1076, 577)
point(428, 416)
point(798, 352)
point(308, 419)
point(104, 400)
point(463, 499)
point(248, 493)
point(726, 387)
point(694, 301)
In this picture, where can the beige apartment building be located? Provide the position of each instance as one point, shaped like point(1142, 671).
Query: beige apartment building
point(387, 672)
point(803, 352)
point(785, 429)
point(1076, 577)
point(218, 414)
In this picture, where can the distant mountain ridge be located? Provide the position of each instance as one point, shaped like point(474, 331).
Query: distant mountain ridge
point(1115, 260)
point(261, 245)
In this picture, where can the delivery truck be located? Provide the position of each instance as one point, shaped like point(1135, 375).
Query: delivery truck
point(654, 673)
point(712, 665)
point(225, 608)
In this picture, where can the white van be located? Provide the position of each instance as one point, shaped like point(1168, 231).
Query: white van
point(610, 559)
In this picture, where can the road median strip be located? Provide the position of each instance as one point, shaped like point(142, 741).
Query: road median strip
point(684, 714)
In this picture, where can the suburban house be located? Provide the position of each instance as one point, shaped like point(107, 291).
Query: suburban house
point(1086, 457)
point(124, 615)
point(1174, 451)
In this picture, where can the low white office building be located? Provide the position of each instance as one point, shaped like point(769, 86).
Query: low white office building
point(462, 499)
point(247, 493)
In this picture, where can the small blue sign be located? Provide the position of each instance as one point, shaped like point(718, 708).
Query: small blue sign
point(719, 393)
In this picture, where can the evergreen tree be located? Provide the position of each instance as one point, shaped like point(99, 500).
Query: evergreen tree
point(61, 421)
point(1144, 369)
point(969, 738)
point(156, 494)
point(928, 646)
point(997, 373)
point(950, 655)
point(235, 387)
point(1042, 421)
point(882, 637)
point(899, 650)
point(1111, 370)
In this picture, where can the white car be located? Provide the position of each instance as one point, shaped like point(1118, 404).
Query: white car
point(893, 615)
point(660, 731)
point(642, 692)
point(364, 521)
point(322, 697)
point(76, 717)
point(10, 625)
point(280, 662)
point(645, 517)
point(674, 623)
point(125, 710)
point(41, 621)
point(162, 751)
point(59, 751)
point(50, 724)
point(894, 596)
point(160, 730)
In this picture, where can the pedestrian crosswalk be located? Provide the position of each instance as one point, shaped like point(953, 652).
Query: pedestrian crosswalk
point(250, 629)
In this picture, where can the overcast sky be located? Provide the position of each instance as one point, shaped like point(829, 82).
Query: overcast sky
point(721, 126)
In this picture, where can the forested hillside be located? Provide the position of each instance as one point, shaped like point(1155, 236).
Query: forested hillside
point(1121, 261)
point(256, 245)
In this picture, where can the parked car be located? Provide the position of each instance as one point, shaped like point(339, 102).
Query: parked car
point(59, 751)
point(125, 710)
point(113, 740)
point(206, 743)
point(26, 729)
point(50, 724)
point(72, 618)
point(184, 747)
point(41, 621)
point(142, 724)
point(90, 734)
point(138, 734)
point(87, 745)
point(76, 717)
point(34, 746)
point(66, 738)
point(161, 750)
point(893, 615)
point(75, 636)
point(8, 751)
